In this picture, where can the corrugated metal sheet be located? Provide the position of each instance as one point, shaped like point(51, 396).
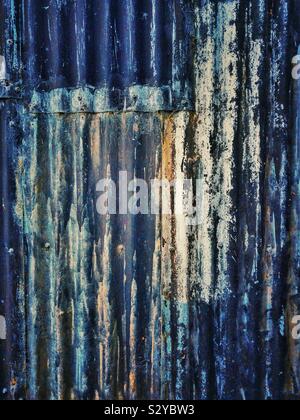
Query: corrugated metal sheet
point(144, 307)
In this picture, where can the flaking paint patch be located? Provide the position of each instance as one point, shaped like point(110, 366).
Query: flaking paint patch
point(3, 330)
point(181, 244)
point(204, 131)
point(2, 68)
point(219, 279)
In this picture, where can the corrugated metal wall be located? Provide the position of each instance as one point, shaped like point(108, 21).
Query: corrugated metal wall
point(144, 307)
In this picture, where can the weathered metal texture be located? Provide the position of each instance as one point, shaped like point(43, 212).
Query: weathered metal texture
point(143, 306)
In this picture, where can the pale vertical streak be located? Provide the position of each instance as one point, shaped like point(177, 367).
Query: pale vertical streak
point(250, 209)
point(104, 310)
point(132, 338)
point(175, 260)
point(83, 239)
point(153, 39)
point(292, 375)
point(28, 223)
point(181, 242)
point(225, 102)
point(276, 184)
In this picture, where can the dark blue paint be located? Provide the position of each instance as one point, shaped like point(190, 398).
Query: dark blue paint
point(107, 43)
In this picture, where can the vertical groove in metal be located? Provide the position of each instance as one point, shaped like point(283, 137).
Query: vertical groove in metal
point(143, 306)
point(99, 44)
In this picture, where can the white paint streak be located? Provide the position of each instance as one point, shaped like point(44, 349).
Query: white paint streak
point(204, 131)
point(226, 101)
point(2, 68)
point(252, 146)
point(3, 331)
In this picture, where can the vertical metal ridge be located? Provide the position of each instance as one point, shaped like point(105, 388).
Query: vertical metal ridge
point(146, 307)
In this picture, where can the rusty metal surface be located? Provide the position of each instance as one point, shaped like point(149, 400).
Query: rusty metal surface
point(145, 307)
